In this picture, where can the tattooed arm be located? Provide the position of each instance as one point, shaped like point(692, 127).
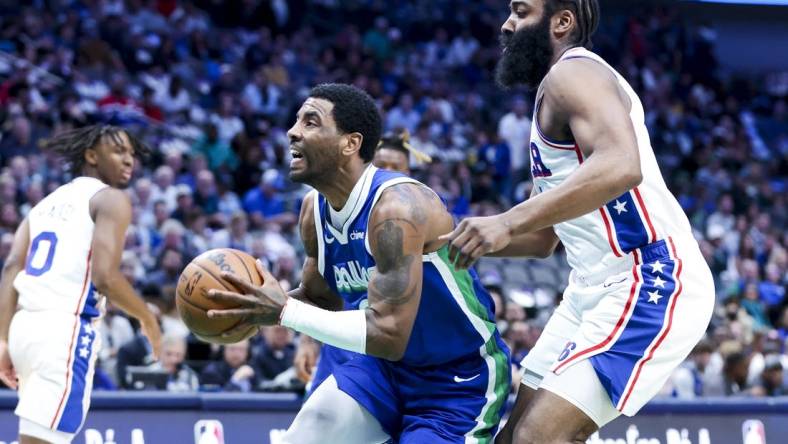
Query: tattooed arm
point(397, 232)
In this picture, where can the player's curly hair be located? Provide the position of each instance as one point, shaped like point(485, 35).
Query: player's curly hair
point(72, 144)
point(401, 142)
point(354, 112)
point(586, 13)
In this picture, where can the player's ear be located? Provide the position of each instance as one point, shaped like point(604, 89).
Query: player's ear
point(563, 22)
point(352, 143)
point(91, 156)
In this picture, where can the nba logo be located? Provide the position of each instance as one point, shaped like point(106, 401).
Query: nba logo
point(208, 431)
point(753, 432)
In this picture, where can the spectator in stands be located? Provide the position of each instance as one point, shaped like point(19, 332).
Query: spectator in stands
point(206, 195)
point(234, 372)
point(754, 306)
point(236, 235)
point(403, 116)
point(266, 201)
point(514, 129)
point(170, 265)
point(274, 355)
point(695, 378)
point(771, 379)
point(735, 373)
point(181, 377)
point(184, 203)
point(216, 150)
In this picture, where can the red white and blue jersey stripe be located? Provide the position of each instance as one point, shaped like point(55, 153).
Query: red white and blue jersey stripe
point(603, 239)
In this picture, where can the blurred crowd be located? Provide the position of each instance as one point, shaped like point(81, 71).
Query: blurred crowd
point(213, 86)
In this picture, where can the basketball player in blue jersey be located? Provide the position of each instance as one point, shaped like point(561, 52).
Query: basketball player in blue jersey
point(65, 258)
point(392, 153)
point(640, 294)
point(429, 364)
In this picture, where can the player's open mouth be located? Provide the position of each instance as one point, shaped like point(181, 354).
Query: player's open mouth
point(298, 159)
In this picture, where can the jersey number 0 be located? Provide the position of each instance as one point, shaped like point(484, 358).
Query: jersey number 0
point(33, 259)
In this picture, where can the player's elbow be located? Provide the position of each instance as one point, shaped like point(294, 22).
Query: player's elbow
point(629, 177)
point(13, 265)
point(102, 280)
point(546, 251)
point(386, 339)
point(10, 268)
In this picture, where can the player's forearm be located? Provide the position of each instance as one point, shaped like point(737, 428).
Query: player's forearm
point(541, 244)
point(360, 331)
point(8, 298)
point(118, 290)
point(590, 187)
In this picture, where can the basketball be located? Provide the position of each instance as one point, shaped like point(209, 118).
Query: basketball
point(203, 274)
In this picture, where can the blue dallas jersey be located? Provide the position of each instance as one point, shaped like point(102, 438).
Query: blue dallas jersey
point(455, 317)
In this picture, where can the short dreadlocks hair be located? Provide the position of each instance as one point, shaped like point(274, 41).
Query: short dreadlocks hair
point(72, 144)
point(354, 112)
point(586, 13)
point(401, 142)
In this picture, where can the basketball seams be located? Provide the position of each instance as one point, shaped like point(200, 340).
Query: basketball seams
point(216, 278)
point(188, 302)
point(248, 273)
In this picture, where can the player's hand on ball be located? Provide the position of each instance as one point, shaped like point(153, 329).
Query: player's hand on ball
point(258, 305)
point(474, 237)
point(7, 372)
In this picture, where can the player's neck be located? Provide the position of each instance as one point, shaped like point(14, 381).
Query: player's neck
point(89, 171)
point(337, 188)
point(559, 52)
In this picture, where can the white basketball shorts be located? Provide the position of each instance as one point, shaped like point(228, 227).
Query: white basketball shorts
point(611, 345)
point(54, 355)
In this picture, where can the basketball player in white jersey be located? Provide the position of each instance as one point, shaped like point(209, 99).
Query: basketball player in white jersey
point(640, 295)
point(64, 259)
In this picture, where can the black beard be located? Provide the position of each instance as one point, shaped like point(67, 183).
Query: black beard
point(527, 56)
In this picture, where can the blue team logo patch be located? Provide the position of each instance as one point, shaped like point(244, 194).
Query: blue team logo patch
point(567, 350)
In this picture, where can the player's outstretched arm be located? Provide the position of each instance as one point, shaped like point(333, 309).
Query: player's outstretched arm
point(14, 263)
point(396, 232)
point(597, 112)
point(540, 243)
point(111, 210)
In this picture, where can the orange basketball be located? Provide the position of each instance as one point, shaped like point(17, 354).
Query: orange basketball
point(203, 274)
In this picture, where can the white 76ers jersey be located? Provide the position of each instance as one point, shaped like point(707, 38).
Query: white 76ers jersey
point(57, 270)
point(603, 239)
